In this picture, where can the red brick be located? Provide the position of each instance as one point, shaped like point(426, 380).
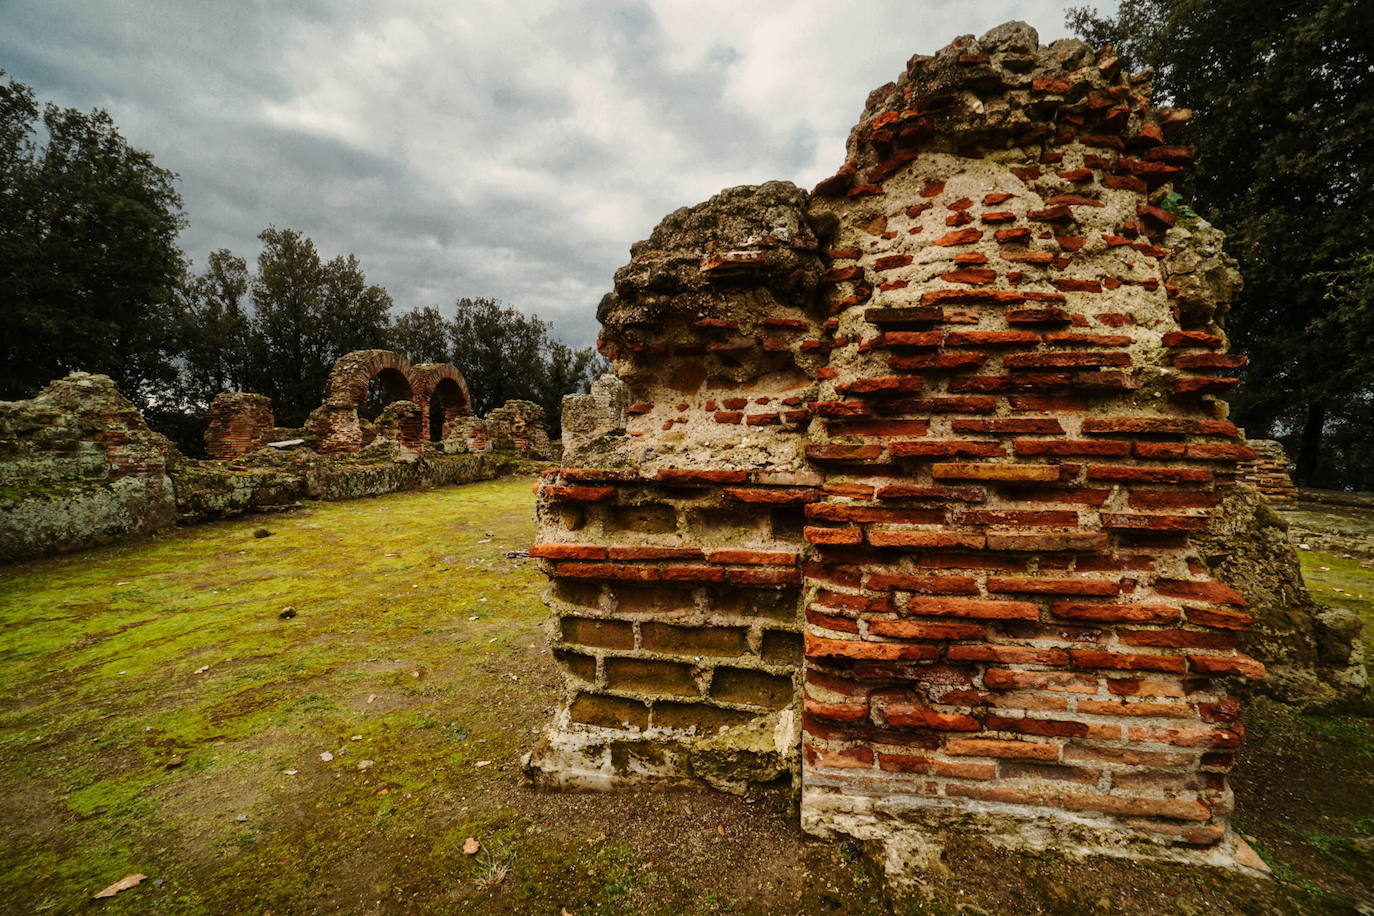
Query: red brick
point(1138, 474)
point(1048, 586)
point(1208, 590)
point(959, 237)
point(915, 629)
point(1010, 473)
point(891, 261)
point(973, 608)
point(1185, 737)
point(1121, 661)
point(1049, 541)
point(946, 449)
point(1017, 517)
point(579, 494)
point(937, 361)
point(968, 404)
point(995, 747)
point(1192, 339)
point(818, 535)
point(832, 622)
point(908, 715)
point(568, 551)
point(1116, 613)
point(1169, 426)
point(820, 647)
point(1173, 808)
point(699, 476)
point(752, 557)
point(879, 427)
point(1055, 681)
point(1172, 499)
point(1011, 655)
point(837, 712)
point(1176, 639)
point(843, 452)
point(728, 416)
point(891, 384)
point(1225, 620)
point(652, 553)
point(1138, 521)
point(759, 577)
point(1238, 664)
point(924, 584)
point(991, 338)
point(1071, 447)
point(1052, 728)
point(607, 571)
point(784, 496)
point(1046, 425)
point(930, 540)
point(972, 297)
point(1064, 360)
point(839, 512)
point(692, 574)
point(840, 408)
point(935, 493)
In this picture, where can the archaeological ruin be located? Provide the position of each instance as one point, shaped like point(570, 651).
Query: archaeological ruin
point(898, 488)
point(79, 465)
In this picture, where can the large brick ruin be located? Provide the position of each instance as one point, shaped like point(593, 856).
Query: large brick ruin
point(897, 488)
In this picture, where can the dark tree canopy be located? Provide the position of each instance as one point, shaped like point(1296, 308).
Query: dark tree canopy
point(88, 255)
point(1283, 96)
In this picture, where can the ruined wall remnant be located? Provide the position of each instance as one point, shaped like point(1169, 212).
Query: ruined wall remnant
point(909, 477)
point(238, 423)
point(594, 423)
point(1267, 472)
point(519, 426)
point(79, 467)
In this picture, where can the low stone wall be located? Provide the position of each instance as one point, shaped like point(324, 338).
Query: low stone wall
point(79, 467)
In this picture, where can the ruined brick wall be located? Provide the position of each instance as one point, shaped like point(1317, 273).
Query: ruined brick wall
point(958, 407)
point(238, 423)
point(519, 426)
point(1267, 472)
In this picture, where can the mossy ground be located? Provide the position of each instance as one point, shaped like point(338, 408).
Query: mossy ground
point(150, 696)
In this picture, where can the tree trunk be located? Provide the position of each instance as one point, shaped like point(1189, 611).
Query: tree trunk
point(1309, 449)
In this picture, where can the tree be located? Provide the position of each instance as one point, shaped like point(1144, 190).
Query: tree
point(1282, 94)
point(217, 345)
point(307, 314)
point(422, 335)
point(88, 256)
point(505, 354)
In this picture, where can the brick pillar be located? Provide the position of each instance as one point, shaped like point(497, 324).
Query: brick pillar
point(238, 423)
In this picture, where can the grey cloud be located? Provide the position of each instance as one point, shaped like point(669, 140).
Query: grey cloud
point(475, 148)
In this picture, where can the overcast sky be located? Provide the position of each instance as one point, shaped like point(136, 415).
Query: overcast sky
point(475, 147)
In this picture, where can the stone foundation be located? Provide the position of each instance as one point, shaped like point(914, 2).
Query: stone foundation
point(953, 418)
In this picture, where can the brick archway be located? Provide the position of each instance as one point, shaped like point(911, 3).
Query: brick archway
point(444, 383)
point(335, 424)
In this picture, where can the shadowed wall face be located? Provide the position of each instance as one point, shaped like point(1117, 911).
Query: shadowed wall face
point(929, 446)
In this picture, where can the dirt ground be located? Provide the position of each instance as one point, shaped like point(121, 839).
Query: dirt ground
point(159, 715)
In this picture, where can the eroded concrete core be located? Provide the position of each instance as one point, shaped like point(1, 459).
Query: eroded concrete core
point(896, 485)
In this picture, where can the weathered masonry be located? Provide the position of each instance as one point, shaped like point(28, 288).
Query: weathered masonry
point(898, 485)
point(426, 403)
